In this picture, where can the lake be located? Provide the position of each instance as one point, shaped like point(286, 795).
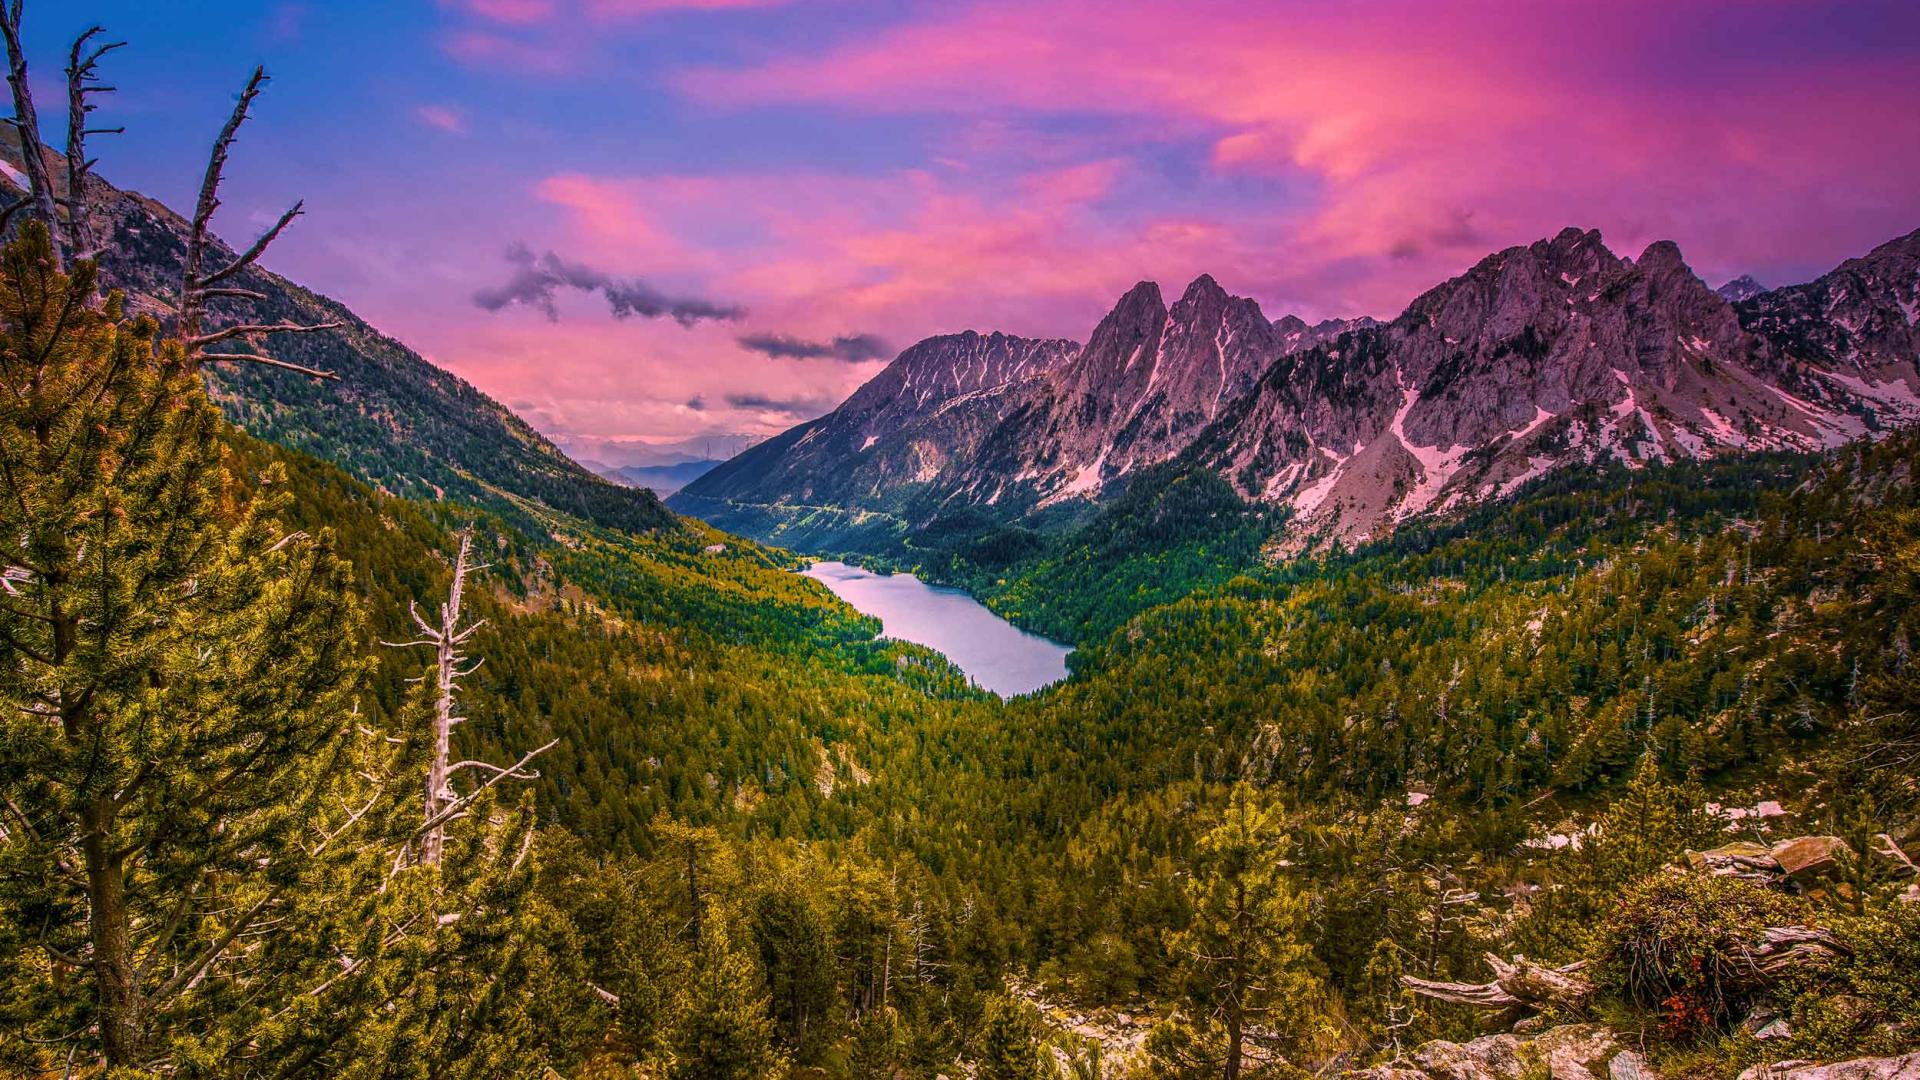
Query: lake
point(997, 655)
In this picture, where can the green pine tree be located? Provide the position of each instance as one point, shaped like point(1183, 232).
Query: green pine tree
point(727, 1033)
point(1247, 964)
point(178, 754)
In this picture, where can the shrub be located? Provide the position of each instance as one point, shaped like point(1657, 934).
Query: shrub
point(1681, 943)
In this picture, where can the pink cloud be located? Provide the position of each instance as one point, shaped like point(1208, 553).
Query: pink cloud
point(444, 117)
point(1416, 120)
point(517, 12)
point(1399, 142)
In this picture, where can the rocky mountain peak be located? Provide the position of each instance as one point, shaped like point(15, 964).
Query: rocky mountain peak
point(1744, 287)
point(1541, 356)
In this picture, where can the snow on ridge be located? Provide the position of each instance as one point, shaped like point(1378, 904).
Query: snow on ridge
point(1309, 499)
point(1086, 481)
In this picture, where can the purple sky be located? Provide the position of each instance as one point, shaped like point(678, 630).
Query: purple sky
point(635, 186)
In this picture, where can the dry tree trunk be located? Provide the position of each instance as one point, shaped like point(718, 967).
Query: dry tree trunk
point(1519, 982)
point(26, 123)
point(199, 285)
point(83, 78)
point(442, 804)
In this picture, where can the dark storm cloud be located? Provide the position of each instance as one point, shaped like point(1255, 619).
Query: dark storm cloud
point(536, 279)
point(852, 348)
point(805, 406)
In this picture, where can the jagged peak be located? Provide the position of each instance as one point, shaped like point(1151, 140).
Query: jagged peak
point(1204, 285)
point(1662, 255)
point(1144, 294)
point(1744, 287)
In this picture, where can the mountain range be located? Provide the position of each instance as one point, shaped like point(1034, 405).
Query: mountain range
point(1540, 358)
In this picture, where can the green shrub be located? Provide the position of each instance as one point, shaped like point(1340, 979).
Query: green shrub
point(1680, 943)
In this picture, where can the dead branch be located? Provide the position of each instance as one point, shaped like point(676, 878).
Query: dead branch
point(1478, 995)
point(459, 806)
point(1785, 949)
point(1518, 982)
point(83, 79)
point(268, 361)
point(251, 330)
point(197, 286)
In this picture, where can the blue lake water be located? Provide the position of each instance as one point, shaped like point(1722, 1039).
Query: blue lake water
point(995, 654)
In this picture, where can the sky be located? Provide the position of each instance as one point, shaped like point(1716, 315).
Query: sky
point(662, 219)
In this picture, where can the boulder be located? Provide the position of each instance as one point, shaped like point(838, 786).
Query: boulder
point(1496, 1057)
point(1906, 1067)
point(1576, 1052)
point(1807, 859)
point(1742, 859)
point(1627, 1065)
point(1567, 1052)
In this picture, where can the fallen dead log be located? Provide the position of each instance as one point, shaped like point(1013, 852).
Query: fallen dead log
point(1785, 949)
point(1518, 982)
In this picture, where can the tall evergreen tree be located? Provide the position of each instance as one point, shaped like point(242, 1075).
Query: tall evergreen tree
point(178, 754)
point(1249, 970)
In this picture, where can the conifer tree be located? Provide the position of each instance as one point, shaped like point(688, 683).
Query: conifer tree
point(1010, 1046)
point(184, 785)
point(728, 1032)
point(1249, 971)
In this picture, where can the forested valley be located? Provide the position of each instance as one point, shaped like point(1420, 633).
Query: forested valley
point(649, 804)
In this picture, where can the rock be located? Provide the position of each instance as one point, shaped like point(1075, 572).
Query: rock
point(1806, 859)
point(1627, 1065)
point(1576, 1051)
point(714, 549)
point(1742, 859)
point(1777, 1028)
point(1567, 1052)
point(1496, 1057)
point(1906, 1067)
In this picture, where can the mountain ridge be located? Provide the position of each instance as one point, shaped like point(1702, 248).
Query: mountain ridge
point(392, 419)
point(1540, 357)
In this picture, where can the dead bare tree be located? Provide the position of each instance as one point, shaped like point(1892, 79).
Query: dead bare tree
point(443, 804)
point(198, 285)
point(39, 198)
point(83, 79)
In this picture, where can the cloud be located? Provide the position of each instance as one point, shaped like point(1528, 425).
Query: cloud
point(444, 117)
point(513, 12)
point(805, 407)
point(1384, 126)
point(852, 348)
point(535, 280)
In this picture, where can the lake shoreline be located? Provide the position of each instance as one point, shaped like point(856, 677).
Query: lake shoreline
point(995, 655)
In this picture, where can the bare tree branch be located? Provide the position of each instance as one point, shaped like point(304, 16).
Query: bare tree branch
point(196, 286)
point(251, 255)
point(191, 307)
point(255, 358)
point(83, 79)
point(255, 329)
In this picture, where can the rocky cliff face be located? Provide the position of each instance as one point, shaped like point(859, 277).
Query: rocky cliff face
point(924, 415)
point(1541, 357)
point(1550, 355)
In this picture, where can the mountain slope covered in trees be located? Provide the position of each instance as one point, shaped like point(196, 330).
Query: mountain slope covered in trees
point(393, 419)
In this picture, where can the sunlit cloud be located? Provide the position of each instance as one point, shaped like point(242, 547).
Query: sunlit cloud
point(443, 117)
